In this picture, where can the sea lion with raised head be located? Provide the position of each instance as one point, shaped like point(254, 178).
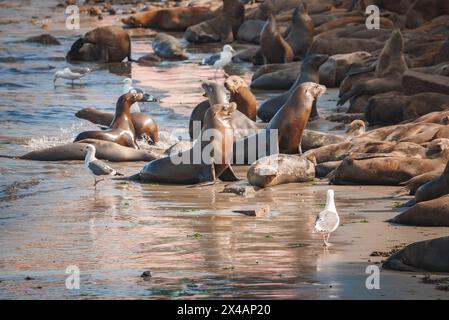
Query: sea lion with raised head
point(104, 44)
point(273, 46)
point(308, 73)
point(144, 125)
point(300, 35)
point(121, 130)
point(430, 255)
point(242, 96)
point(213, 152)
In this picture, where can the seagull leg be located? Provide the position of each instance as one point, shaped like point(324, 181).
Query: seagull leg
point(326, 239)
point(97, 181)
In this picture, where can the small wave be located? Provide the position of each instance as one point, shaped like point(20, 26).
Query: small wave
point(67, 135)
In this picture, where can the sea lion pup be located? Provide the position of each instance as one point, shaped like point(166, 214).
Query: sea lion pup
point(106, 150)
point(144, 125)
point(389, 71)
point(308, 73)
point(279, 169)
point(104, 44)
point(355, 128)
point(224, 27)
point(242, 96)
point(273, 47)
point(179, 18)
point(431, 255)
point(213, 153)
point(435, 188)
point(167, 47)
point(300, 35)
point(121, 130)
point(429, 213)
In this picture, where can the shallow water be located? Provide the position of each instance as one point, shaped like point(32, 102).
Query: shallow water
point(190, 239)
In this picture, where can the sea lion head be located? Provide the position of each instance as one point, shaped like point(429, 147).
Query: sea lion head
point(396, 41)
point(84, 113)
point(356, 128)
point(132, 21)
point(90, 36)
point(214, 92)
point(135, 95)
point(312, 89)
point(233, 84)
point(438, 146)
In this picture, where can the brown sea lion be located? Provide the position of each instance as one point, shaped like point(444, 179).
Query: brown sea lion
point(385, 169)
point(389, 70)
point(435, 188)
point(105, 44)
point(355, 128)
point(223, 28)
point(106, 150)
point(178, 18)
point(250, 30)
point(273, 46)
point(214, 155)
point(429, 213)
point(441, 117)
point(431, 255)
point(144, 125)
point(422, 11)
point(297, 110)
point(414, 183)
point(121, 129)
point(242, 96)
point(301, 32)
point(309, 73)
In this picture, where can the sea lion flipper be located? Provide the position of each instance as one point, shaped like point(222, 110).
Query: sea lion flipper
point(228, 175)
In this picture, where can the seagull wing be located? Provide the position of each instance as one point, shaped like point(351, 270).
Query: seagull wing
point(99, 168)
point(212, 59)
point(82, 71)
point(326, 221)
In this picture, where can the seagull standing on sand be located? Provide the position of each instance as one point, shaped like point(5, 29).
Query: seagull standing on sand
point(96, 167)
point(327, 221)
point(220, 60)
point(71, 74)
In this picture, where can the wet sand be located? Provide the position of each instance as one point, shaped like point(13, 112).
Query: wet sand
point(189, 238)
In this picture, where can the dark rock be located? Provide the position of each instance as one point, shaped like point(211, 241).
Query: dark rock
point(46, 39)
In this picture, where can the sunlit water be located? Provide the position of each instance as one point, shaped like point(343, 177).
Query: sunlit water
point(190, 239)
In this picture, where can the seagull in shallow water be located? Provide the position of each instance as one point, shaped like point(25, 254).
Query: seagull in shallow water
point(96, 167)
point(220, 60)
point(327, 221)
point(71, 74)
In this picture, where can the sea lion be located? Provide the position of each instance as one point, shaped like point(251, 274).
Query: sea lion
point(389, 71)
point(214, 157)
point(431, 255)
point(121, 129)
point(250, 30)
point(300, 35)
point(273, 46)
point(315, 139)
point(178, 18)
point(274, 67)
point(281, 79)
point(435, 188)
point(144, 125)
point(385, 108)
point(286, 127)
point(106, 150)
point(355, 128)
point(297, 110)
point(242, 96)
point(167, 47)
point(224, 27)
point(422, 11)
point(441, 117)
point(414, 183)
point(104, 44)
point(429, 213)
point(279, 169)
point(308, 73)
point(385, 169)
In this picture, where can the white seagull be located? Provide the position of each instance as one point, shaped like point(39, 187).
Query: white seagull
point(71, 74)
point(96, 167)
point(220, 60)
point(128, 87)
point(327, 221)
